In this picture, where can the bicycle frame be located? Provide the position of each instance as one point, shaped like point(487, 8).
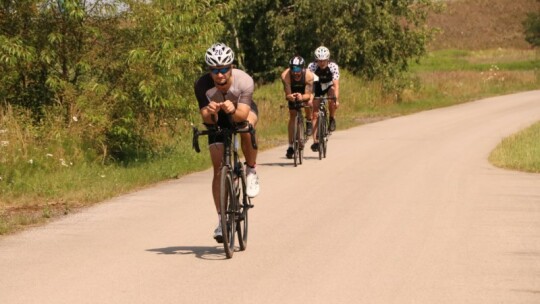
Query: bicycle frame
point(322, 125)
point(299, 133)
point(234, 202)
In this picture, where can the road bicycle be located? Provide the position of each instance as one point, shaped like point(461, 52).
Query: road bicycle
point(300, 135)
point(322, 133)
point(233, 200)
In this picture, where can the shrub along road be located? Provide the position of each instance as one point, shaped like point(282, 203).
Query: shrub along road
point(406, 210)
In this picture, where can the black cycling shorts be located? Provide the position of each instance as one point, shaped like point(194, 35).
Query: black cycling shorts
point(319, 91)
point(293, 105)
point(223, 122)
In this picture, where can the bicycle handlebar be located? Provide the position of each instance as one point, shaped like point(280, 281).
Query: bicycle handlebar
point(327, 98)
point(241, 127)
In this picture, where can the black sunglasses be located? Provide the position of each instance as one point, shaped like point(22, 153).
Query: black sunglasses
point(222, 70)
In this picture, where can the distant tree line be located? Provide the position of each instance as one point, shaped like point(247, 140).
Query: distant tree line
point(118, 75)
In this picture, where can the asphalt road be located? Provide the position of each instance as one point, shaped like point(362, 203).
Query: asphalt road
point(406, 210)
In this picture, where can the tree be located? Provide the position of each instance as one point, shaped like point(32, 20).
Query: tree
point(161, 54)
point(372, 38)
point(532, 29)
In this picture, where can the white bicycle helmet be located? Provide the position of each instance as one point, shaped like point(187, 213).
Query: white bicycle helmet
point(322, 53)
point(219, 54)
point(297, 61)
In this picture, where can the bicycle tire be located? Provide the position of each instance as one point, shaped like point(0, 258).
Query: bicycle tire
point(320, 132)
point(244, 204)
point(300, 139)
point(325, 139)
point(228, 203)
point(295, 142)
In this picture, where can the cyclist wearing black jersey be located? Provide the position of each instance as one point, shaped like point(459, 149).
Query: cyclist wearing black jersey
point(298, 86)
point(224, 91)
point(328, 84)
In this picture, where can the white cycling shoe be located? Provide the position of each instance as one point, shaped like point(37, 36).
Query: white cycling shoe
point(252, 181)
point(218, 234)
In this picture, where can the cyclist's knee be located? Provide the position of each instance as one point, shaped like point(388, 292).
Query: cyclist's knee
point(252, 118)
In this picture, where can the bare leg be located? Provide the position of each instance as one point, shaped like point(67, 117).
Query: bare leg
point(249, 153)
point(332, 105)
point(292, 116)
point(216, 154)
point(314, 119)
point(309, 113)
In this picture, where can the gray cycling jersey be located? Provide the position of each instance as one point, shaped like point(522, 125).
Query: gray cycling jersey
point(241, 90)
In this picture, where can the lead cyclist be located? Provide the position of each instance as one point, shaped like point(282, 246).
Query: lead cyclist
point(223, 91)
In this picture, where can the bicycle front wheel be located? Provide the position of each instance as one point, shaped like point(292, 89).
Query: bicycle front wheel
point(244, 203)
point(299, 138)
point(295, 142)
point(228, 206)
point(324, 141)
point(321, 130)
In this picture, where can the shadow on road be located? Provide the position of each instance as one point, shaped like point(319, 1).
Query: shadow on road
point(205, 253)
point(288, 164)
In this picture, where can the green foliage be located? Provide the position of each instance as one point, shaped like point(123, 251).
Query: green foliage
point(532, 29)
point(159, 59)
point(112, 81)
point(372, 38)
point(118, 74)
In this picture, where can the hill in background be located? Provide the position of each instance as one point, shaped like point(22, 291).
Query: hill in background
point(482, 24)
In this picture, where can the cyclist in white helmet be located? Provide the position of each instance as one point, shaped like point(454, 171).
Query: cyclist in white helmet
point(328, 83)
point(298, 86)
point(226, 90)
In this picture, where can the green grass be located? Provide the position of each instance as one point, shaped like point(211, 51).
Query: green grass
point(41, 190)
point(520, 151)
point(461, 60)
point(36, 196)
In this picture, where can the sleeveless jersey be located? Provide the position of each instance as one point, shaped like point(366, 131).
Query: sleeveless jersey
point(300, 85)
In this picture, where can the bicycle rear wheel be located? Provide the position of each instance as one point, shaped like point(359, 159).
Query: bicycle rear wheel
point(244, 204)
point(228, 207)
point(324, 141)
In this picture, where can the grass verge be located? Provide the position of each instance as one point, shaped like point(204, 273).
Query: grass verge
point(31, 196)
point(520, 151)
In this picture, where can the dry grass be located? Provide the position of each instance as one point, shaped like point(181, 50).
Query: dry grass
point(482, 24)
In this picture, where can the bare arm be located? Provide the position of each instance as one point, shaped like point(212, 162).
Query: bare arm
point(239, 113)
point(336, 88)
point(287, 86)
